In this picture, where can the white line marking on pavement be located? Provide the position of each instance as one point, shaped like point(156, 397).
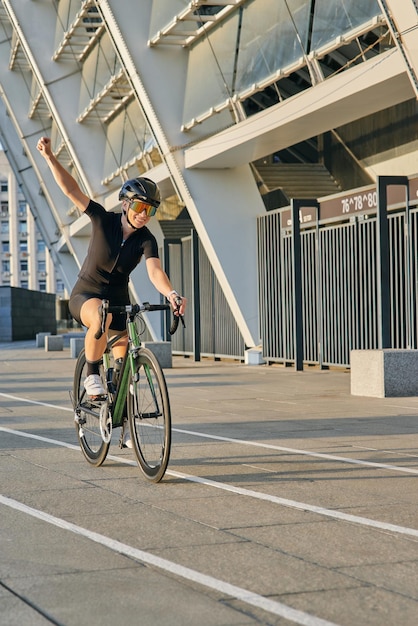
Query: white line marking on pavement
point(303, 506)
point(238, 593)
point(318, 455)
point(414, 456)
point(53, 406)
point(258, 444)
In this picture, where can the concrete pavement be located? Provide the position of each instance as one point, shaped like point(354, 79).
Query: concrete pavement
point(287, 500)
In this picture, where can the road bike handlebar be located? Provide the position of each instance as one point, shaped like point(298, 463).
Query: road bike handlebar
point(134, 309)
point(177, 318)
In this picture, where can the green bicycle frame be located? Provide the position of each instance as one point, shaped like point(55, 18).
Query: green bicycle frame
point(127, 372)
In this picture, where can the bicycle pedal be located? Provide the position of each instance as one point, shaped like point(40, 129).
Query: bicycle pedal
point(93, 403)
point(98, 399)
point(79, 419)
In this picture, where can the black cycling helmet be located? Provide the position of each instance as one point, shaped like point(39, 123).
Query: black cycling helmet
point(142, 189)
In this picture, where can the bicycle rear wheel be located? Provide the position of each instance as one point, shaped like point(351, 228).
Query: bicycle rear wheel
point(87, 417)
point(149, 416)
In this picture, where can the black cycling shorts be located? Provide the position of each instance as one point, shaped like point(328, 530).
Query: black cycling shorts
point(78, 299)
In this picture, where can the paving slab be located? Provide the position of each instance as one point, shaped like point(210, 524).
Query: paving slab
point(287, 500)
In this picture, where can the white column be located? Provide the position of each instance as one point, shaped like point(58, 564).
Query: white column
point(223, 203)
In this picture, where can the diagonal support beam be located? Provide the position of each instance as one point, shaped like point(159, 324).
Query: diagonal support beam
point(402, 18)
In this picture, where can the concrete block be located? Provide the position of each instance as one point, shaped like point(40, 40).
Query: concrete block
point(162, 350)
point(40, 339)
point(76, 345)
point(54, 343)
point(253, 356)
point(68, 336)
point(384, 373)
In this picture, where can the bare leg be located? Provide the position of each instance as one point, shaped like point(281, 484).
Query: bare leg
point(119, 347)
point(90, 318)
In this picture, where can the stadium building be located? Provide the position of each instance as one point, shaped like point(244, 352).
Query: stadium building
point(246, 113)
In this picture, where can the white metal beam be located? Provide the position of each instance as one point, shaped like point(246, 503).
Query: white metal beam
point(45, 90)
point(223, 205)
point(362, 90)
point(26, 177)
point(172, 33)
point(402, 17)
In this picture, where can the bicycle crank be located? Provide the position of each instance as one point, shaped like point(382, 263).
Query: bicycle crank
point(105, 422)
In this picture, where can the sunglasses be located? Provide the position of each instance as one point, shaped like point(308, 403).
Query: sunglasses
point(138, 207)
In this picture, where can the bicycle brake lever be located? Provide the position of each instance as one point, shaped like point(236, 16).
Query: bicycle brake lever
point(177, 318)
point(178, 305)
point(103, 312)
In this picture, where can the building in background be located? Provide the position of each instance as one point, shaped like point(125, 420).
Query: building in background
point(234, 108)
point(25, 259)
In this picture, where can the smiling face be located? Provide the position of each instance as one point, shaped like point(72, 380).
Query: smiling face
point(138, 213)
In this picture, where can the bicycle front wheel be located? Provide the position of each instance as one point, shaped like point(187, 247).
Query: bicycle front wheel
point(87, 417)
point(149, 416)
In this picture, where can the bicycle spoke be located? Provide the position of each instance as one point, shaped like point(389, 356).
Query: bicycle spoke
point(89, 419)
point(149, 416)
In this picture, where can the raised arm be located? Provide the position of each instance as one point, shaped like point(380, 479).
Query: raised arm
point(64, 180)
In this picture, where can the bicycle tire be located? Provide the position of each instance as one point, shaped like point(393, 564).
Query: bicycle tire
point(87, 425)
point(149, 416)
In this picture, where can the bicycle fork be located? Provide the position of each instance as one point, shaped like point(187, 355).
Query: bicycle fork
point(152, 412)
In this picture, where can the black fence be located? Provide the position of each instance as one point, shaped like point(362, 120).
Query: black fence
point(335, 275)
point(339, 275)
point(211, 329)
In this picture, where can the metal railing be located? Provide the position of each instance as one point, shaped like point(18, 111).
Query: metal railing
point(211, 329)
point(334, 276)
point(356, 287)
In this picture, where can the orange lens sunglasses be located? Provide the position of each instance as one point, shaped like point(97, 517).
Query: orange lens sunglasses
point(137, 206)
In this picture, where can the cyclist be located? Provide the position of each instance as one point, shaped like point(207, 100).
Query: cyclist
point(118, 242)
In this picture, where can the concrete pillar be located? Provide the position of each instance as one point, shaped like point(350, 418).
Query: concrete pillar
point(54, 343)
point(384, 373)
point(40, 339)
point(162, 350)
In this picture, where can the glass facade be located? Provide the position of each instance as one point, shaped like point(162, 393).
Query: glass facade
point(262, 42)
point(335, 19)
point(274, 35)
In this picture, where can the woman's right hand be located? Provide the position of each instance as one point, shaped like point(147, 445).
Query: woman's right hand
point(44, 146)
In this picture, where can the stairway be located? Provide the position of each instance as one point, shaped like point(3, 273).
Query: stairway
point(298, 180)
point(176, 229)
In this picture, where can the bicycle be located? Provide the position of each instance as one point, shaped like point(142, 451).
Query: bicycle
point(136, 391)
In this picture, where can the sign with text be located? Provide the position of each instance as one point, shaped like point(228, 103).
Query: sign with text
point(361, 200)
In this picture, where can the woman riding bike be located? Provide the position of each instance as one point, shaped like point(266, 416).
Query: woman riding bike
point(117, 244)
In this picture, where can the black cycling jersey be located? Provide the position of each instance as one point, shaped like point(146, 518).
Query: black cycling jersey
point(110, 261)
